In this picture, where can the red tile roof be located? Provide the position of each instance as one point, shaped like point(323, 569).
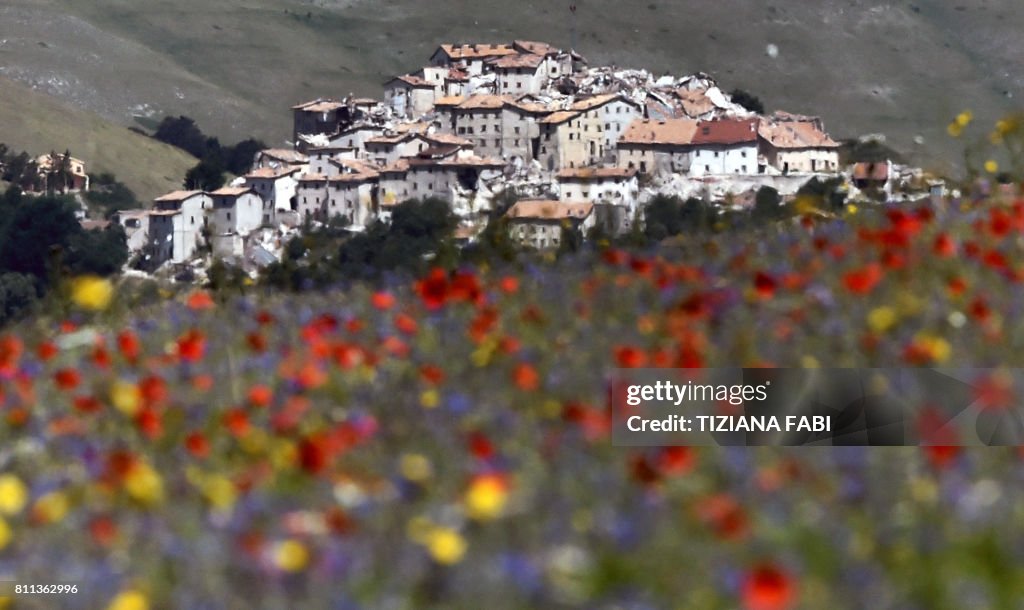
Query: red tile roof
point(476, 51)
point(176, 196)
point(670, 132)
point(726, 132)
point(549, 209)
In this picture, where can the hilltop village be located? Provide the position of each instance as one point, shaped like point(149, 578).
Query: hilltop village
point(573, 146)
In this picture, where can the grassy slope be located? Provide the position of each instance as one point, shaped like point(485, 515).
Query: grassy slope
point(37, 123)
point(236, 65)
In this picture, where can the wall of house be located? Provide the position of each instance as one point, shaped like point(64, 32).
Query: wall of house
point(482, 127)
point(520, 81)
point(720, 159)
point(394, 189)
point(806, 160)
point(276, 193)
point(518, 131)
point(616, 191)
point(351, 201)
point(310, 197)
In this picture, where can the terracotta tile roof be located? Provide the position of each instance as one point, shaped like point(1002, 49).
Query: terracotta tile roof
point(164, 212)
point(354, 177)
point(486, 102)
point(270, 173)
point(595, 173)
point(391, 139)
point(400, 166)
point(549, 209)
point(510, 62)
point(451, 100)
point(447, 138)
point(476, 51)
point(413, 81)
point(596, 101)
point(537, 48)
point(726, 131)
point(473, 161)
point(356, 166)
point(795, 135)
point(459, 76)
point(531, 106)
point(90, 225)
point(312, 178)
point(232, 191)
point(672, 132)
point(177, 196)
point(556, 118)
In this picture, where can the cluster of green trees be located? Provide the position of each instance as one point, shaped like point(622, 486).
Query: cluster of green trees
point(41, 241)
point(214, 158)
point(108, 195)
point(419, 235)
point(21, 170)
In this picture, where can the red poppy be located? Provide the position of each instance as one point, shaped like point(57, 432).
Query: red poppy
point(153, 389)
point(526, 377)
point(944, 246)
point(676, 461)
point(197, 445)
point(67, 379)
point(509, 284)
point(766, 587)
point(406, 324)
point(128, 345)
point(256, 342)
point(312, 454)
point(465, 287)
point(10, 353)
point(46, 351)
point(192, 346)
point(199, 300)
point(87, 404)
point(765, 285)
point(480, 446)
point(432, 374)
point(629, 357)
point(103, 530)
point(863, 281)
point(724, 515)
point(260, 395)
point(641, 469)
point(149, 423)
point(433, 289)
point(237, 422)
point(383, 300)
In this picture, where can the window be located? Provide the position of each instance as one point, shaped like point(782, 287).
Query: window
point(716, 154)
point(743, 154)
point(483, 129)
point(517, 131)
point(497, 142)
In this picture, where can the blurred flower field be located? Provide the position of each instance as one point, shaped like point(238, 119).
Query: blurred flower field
point(445, 443)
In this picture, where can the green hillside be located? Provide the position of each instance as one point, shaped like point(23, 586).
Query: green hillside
point(902, 68)
point(38, 123)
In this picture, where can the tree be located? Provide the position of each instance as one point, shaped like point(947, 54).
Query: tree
point(207, 175)
point(17, 295)
point(662, 217)
point(767, 205)
point(747, 100)
point(182, 132)
point(35, 234)
point(100, 251)
point(238, 159)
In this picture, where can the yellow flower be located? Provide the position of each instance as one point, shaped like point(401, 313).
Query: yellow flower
point(851, 209)
point(881, 319)
point(964, 118)
point(91, 292)
point(446, 545)
point(486, 498)
point(51, 507)
point(415, 467)
point(937, 348)
point(5, 534)
point(144, 484)
point(13, 494)
point(429, 399)
point(954, 130)
point(291, 556)
point(220, 492)
point(129, 600)
point(991, 166)
point(125, 397)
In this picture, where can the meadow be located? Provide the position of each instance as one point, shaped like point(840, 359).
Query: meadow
point(443, 442)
